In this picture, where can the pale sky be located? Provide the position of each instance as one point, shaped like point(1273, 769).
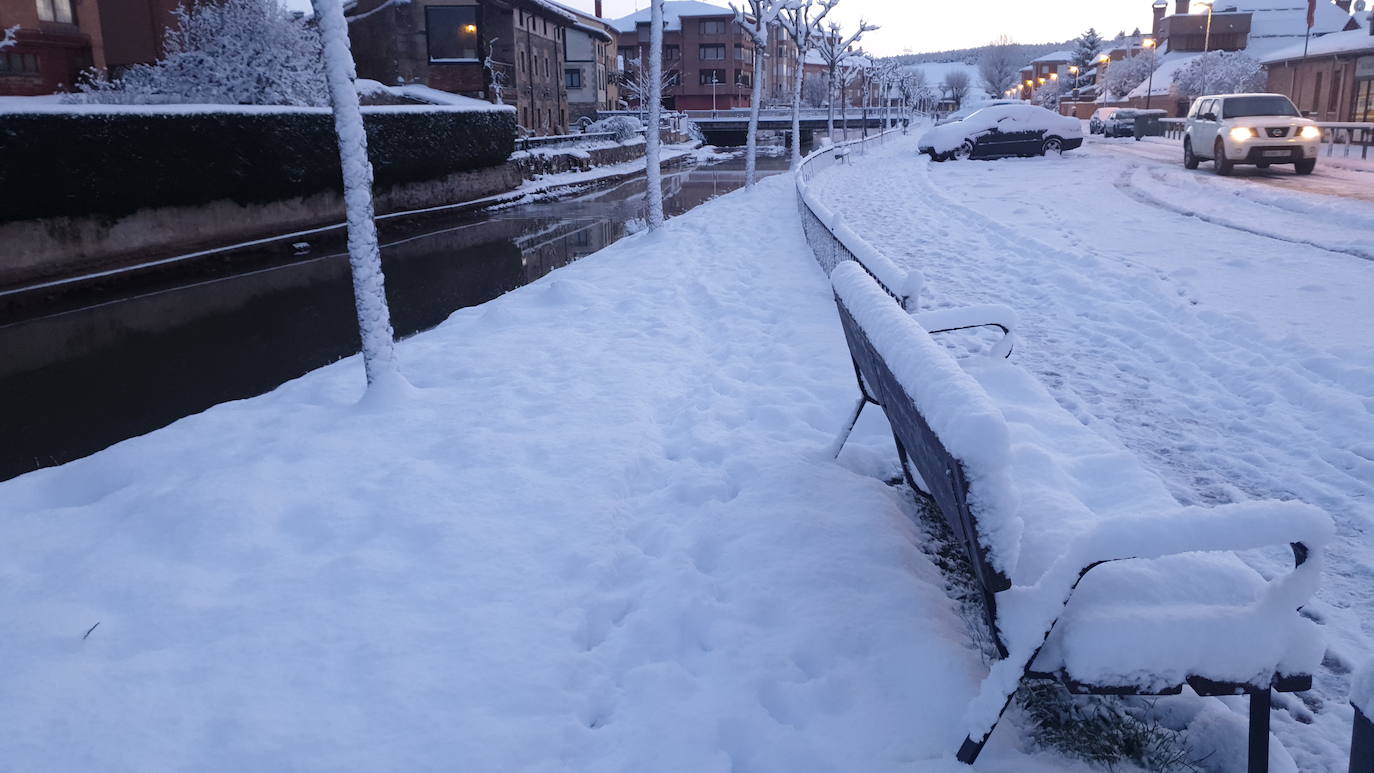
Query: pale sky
point(939, 25)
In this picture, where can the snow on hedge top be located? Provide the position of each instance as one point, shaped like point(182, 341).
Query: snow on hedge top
point(1005, 118)
point(956, 408)
point(1362, 690)
point(15, 106)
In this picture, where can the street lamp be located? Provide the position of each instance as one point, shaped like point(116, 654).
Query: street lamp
point(1207, 40)
point(1150, 89)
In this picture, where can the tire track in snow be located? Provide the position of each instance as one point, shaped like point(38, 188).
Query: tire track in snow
point(1126, 185)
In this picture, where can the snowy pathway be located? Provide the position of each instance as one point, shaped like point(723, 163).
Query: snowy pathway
point(1236, 363)
point(601, 536)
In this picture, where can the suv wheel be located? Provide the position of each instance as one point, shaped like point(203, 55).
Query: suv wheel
point(1190, 159)
point(1223, 164)
point(1305, 166)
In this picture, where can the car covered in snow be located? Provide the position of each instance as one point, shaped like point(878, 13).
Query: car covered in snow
point(1098, 120)
point(959, 115)
point(1003, 130)
point(1259, 129)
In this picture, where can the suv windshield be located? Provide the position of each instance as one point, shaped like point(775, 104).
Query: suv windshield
point(1240, 107)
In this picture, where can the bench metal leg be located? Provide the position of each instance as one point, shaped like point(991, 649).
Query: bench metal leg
point(838, 445)
point(1259, 732)
point(1362, 744)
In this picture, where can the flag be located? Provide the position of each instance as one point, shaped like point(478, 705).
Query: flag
point(1311, 13)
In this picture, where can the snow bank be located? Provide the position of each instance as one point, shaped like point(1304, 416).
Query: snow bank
point(956, 408)
point(1362, 690)
point(1005, 118)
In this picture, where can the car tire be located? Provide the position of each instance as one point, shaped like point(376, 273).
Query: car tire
point(964, 152)
point(1053, 145)
point(1305, 166)
point(1224, 167)
point(1190, 159)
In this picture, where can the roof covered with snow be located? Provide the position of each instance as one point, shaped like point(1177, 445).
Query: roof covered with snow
point(1164, 76)
point(1055, 56)
point(673, 13)
point(1336, 43)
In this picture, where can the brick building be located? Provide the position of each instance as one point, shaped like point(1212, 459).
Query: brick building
point(58, 39)
point(445, 44)
point(710, 57)
point(1335, 80)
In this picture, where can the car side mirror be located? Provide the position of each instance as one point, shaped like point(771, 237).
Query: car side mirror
point(1209, 116)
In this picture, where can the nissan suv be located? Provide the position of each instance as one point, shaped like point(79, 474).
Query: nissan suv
point(1258, 129)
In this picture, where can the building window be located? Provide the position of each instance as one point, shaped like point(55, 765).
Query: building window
point(674, 78)
point(573, 78)
point(1317, 94)
point(713, 27)
point(452, 33)
point(56, 10)
point(742, 78)
point(18, 64)
point(672, 53)
point(709, 77)
point(711, 53)
point(629, 53)
point(1335, 100)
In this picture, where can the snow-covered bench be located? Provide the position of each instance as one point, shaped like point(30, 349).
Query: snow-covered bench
point(1362, 736)
point(1090, 571)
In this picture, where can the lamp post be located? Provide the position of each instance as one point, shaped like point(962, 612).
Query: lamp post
point(1207, 39)
point(1150, 89)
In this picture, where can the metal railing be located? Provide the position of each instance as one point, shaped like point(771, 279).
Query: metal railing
point(1173, 127)
point(832, 241)
point(529, 143)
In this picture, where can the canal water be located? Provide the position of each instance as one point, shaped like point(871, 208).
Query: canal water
point(77, 381)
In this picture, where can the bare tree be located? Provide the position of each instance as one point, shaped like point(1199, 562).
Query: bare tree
point(636, 85)
point(1000, 66)
point(652, 133)
point(364, 254)
point(804, 25)
point(755, 18)
point(957, 84)
point(835, 50)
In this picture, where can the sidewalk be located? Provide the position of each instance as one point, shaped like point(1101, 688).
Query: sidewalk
point(601, 535)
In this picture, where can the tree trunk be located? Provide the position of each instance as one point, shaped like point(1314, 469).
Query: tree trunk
point(652, 155)
point(364, 254)
point(796, 110)
point(830, 104)
point(751, 149)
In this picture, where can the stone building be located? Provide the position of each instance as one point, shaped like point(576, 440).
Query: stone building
point(512, 51)
point(58, 39)
point(589, 67)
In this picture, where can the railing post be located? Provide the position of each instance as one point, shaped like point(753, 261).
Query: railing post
point(1362, 744)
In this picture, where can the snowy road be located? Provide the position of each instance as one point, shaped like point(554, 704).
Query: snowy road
point(1219, 328)
point(1335, 176)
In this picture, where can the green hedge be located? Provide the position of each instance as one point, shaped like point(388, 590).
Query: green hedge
point(115, 163)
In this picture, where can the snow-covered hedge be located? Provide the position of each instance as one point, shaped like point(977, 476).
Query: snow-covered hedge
point(113, 161)
point(1362, 690)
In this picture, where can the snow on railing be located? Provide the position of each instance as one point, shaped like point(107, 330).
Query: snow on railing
point(834, 242)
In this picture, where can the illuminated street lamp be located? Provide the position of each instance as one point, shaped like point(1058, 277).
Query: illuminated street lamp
point(1149, 90)
point(1207, 39)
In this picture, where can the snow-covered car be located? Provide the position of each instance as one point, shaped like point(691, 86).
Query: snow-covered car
point(1259, 129)
point(1003, 130)
point(1098, 120)
point(960, 115)
point(1120, 124)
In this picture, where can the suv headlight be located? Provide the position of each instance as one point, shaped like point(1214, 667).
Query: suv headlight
point(1311, 133)
point(1242, 133)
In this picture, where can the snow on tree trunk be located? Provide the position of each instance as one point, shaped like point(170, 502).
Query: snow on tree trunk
point(364, 254)
point(652, 136)
point(796, 109)
point(751, 145)
point(830, 104)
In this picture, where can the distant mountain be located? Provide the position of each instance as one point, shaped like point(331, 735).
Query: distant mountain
point(972, 55)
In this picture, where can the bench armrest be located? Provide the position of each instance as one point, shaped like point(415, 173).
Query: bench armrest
point(971, 317)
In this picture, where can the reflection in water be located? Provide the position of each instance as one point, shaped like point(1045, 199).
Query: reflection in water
point(76, 382)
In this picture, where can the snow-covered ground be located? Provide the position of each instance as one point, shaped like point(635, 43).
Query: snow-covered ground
point(1216, 327)
point(601, 535)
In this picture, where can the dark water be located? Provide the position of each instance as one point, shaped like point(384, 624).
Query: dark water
point(74, 382)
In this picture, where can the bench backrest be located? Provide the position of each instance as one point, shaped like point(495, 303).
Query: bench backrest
point(942, 474)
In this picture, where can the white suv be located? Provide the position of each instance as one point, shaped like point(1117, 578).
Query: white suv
point(1259, 129)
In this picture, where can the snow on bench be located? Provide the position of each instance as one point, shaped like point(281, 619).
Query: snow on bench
point(1090, 571)
point(1362, 735)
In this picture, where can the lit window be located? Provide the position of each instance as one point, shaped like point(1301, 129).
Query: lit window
point(452, 33)
point(56, 10)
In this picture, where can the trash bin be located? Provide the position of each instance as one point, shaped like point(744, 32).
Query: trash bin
point(1147, 123)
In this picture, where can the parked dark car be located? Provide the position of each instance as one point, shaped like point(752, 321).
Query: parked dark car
point(1121, 123)
point(1001, 131)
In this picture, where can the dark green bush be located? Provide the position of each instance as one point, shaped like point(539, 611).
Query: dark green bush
point(116, 163)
